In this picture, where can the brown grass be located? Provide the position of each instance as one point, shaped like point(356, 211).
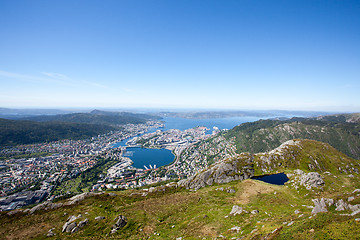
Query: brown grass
point(251, 188)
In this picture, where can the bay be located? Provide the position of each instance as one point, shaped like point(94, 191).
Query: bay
point(161, 157)
point(146, 157)
point(221, 123)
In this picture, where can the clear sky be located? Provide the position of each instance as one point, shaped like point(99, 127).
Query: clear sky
point(243, 54)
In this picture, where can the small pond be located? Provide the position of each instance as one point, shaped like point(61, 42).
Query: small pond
point(277, 179)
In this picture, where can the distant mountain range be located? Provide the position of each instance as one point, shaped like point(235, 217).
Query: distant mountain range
point(226, 114)
point(12, 113)
point(65, 126)
point(96, 117)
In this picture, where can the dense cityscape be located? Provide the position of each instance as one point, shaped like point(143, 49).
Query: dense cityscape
point(55, 162)
point(35, 172)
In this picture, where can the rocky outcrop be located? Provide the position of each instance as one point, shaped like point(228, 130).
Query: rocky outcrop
point(71, 226)
point(48, 205)
point(235, 168)
point(312, 179)
point(80, 197)
point(341, 205)
point(308, 180)
point(121, 221)
point(45, 206)
point(322, 204)
point(83, 223)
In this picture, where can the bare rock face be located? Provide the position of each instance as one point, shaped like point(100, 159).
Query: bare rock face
point(236, 168)
point(121, 221)
point(45, 206)
point(80, 197)
point(312, 179)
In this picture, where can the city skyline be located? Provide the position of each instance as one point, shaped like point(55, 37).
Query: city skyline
point(298, 55)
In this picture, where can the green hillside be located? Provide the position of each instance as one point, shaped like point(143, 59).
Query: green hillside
point(96, 117)
point(24, 132)
point(47, 128)
point(263, 211)
point(264, 135)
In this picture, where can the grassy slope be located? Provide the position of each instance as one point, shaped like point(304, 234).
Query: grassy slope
point(308, 156)
point(173, 213)
point(265, 135)
point(194, 215)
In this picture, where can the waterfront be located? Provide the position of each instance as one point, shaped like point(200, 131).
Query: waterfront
point(161, 157)
point(132, 157)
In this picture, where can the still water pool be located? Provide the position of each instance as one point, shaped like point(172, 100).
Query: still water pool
point(277, 179)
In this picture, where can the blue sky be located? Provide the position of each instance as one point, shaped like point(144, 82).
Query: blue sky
point(244, 54)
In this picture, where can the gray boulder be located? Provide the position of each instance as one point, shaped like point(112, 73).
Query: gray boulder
point(236, 210)
point(75, 229)
point(71, 219)
point(356, 191)
point(231, 190)
point(351, 199)
point(254, 211)
point(121, 221)
point(355, 212)
point(235, 229)
point(69, 226)
point(341, 205)
point(50, 233)
point(83, 223)
point(354, 208)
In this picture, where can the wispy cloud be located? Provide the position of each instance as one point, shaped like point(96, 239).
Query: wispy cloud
point(48, 77)
point(56, 75)
point(24, 77)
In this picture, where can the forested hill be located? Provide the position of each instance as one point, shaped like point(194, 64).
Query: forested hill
point(24, 132)
point(96, 117)
point(264, 135)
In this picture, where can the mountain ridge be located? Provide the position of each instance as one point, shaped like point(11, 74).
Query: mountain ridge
point(96, 117)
